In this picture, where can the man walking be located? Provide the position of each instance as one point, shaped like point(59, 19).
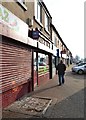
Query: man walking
point(61, 67)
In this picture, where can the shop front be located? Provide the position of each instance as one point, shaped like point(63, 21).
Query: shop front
point(16, 58)
point(25, 62)
point(42, 62)
point(41, 69)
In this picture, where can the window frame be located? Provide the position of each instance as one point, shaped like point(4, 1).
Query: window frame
point(47, 22)
point(55, 41)
point(38, 12)
point(22, 3)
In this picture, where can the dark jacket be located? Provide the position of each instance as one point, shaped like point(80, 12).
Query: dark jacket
point(61, 68)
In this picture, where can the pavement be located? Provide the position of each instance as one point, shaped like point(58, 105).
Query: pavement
point(66, 101)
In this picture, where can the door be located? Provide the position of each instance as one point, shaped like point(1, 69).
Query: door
point(35, 69)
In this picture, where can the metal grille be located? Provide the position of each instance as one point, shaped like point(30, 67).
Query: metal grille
point(16, 65)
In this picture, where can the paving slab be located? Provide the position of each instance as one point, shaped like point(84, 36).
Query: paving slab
point(33, 106)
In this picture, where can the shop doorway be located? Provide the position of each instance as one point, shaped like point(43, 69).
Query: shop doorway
point(35, 69)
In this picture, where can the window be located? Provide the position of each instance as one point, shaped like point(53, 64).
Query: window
point(39, 12)
point(46, 22)
point(43, 64)
point(55, 41)
point(58, 42)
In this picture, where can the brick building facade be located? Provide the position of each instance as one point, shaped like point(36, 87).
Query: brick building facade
point(19, 73)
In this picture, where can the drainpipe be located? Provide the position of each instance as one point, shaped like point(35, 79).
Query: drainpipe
point(37, 65)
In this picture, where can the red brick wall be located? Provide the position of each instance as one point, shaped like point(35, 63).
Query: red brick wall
point(43, 78)
point(10, 96)
point(35, 77)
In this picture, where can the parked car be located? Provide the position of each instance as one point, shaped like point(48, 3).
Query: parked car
point(78, 62)
point(80, 68)
point(82, 63)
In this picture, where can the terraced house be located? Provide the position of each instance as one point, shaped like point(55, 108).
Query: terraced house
point(27, 48)
point(60, 50)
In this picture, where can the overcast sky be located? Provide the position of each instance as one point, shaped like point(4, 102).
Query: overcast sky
point(68, 18)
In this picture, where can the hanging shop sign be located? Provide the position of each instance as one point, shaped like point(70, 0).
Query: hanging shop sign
point(64, 56)
point(63, 51)
point(35, 34)
point(13, 22)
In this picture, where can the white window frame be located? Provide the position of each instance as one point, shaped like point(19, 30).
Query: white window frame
point(46, 22)
point(38, 11)
point(55, 41)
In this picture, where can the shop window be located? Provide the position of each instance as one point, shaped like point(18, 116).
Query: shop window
point(43, 64)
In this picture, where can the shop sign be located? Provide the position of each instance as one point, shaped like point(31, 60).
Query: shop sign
point(64, 56)
point(35, 34)
point(45, 48)
point(13, 22)
point(63, 52)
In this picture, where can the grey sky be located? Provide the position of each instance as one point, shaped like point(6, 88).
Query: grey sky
point(68, 18)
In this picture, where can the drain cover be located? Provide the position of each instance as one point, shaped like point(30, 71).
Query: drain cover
point(30, 105)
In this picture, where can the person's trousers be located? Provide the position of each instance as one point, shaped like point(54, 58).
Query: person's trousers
point(61, 79)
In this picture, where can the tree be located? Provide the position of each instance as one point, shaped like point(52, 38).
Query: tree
point(84, 59)
point(77, 58)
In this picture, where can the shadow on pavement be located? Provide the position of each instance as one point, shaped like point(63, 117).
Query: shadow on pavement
point(42, 89)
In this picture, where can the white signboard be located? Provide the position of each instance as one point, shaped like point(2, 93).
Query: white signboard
point(64, 56)
point(59, 53)
point(13, 22)
point(54, 50)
